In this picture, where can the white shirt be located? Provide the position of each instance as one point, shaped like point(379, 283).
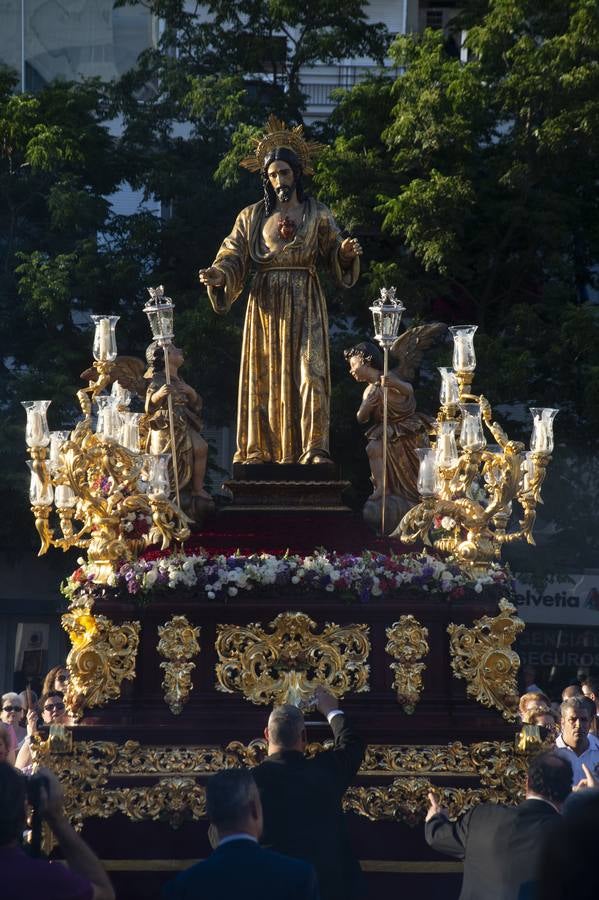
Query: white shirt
point(590, 757)
point(240, 836)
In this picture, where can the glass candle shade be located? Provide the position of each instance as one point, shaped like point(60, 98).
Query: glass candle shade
point(472, 435)
point(109, 418)
point(447, 448)
point(129, 436)
point(464, 358)
point(104, 349)
point(37, 433)
point(159, 310)
point(159, 480)
point(121, 395)
point(386, 316)
point(64, 496)
point(428, 475)
point(541, 439)
point(40, 492)
point(449, 393)
point(57, 441)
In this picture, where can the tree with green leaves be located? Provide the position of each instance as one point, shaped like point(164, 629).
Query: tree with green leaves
point(62, 250)
point(477, 180)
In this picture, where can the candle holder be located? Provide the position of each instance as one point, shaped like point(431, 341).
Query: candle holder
point(464, 357)
point(470, 489)
point(93, 481)
point(37, 433)
point(104, 347)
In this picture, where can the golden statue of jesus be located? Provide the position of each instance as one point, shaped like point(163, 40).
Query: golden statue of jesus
point(284, 383)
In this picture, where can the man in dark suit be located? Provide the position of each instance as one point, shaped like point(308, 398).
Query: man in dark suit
point(302, 797)
point(239, 867)
point(501, 845)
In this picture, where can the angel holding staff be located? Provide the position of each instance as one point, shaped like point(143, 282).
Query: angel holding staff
point(407, 429)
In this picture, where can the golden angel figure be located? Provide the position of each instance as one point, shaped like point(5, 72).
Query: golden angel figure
point(407, 429)
point(284, 382)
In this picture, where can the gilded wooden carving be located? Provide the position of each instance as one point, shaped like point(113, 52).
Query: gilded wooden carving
point(482, 655)
point(405, 800)
point(285, 664)
point(102, 656)
point(497, 773)
point(178, 643)
point(407, 644)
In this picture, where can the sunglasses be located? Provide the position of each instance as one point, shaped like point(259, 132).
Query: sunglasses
point(63, 677)
point(52, 706)
point(12, 709)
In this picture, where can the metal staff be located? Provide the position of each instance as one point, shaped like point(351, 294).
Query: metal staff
point(159, 311)
point(386, 315)
point(171, 424)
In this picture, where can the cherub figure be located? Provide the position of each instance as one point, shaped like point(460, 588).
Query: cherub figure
point(407, 429)
point(191, 448)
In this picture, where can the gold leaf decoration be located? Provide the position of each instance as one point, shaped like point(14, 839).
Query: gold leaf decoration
point(407, 644)
point(406, 800)
point(178, 643)
point(482, 655)
point(495, 768)
point(102, 656)
point(285, 664)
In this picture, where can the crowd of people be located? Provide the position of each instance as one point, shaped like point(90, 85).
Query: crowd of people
point(21, 716)
point(280, 830)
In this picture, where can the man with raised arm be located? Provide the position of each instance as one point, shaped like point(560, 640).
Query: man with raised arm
point(302, 796)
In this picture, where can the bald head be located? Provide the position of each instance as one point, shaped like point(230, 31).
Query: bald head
point(286, 729)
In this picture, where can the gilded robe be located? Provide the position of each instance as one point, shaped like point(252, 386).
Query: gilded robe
point(407, 430)
point(284, 380)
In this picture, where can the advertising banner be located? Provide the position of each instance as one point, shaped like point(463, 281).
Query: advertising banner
point(573, 601)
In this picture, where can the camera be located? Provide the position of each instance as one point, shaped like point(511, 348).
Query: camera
point(34, 786)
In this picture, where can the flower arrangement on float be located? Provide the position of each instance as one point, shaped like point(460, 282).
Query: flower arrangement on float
point(351, 578)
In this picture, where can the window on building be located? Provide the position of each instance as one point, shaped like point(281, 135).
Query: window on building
point(72, 39)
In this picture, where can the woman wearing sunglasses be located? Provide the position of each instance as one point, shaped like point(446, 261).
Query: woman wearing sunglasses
point(53, 712)
point(57, 679)
point(10, 714)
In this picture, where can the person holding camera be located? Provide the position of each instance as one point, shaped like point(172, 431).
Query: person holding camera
point(53, 713)
point(25, 876)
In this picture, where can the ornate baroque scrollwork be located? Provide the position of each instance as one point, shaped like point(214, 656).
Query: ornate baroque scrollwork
point(284, 666)
point(178, 643)
point(483, 656)
point(405, 800)
point(497, 772)
point(407, 644)
point(102, 656)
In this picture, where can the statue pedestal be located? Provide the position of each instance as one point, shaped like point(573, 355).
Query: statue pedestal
point(185, 674)
point(286, 487)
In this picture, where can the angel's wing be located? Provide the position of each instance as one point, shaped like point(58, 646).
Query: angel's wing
point(127, 370)
point(409, 347)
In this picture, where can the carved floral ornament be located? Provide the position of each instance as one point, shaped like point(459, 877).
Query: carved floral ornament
point(102, 656)
point(407, 643)
point(284, 664)
point(178, 643)
point(482, 655)
point(175, 795)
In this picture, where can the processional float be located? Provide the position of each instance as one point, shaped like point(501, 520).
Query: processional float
point(175, 687)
